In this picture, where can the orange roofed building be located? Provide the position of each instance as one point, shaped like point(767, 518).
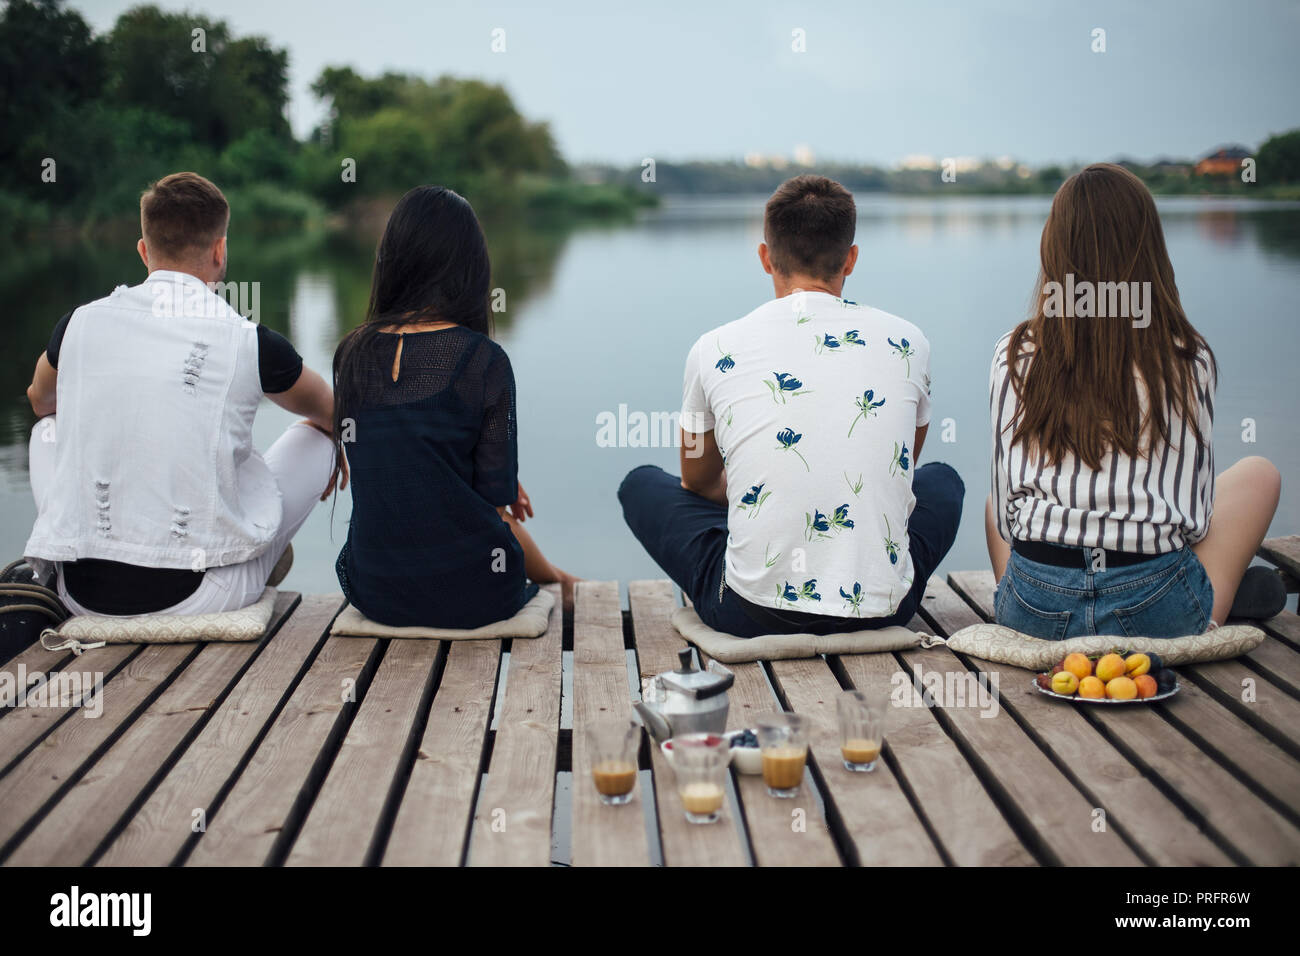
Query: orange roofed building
point(1223, 162)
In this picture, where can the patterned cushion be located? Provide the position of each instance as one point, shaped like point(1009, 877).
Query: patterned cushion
point(530, 621)
point(778, 647)
point(84, 630)
point(993, 642)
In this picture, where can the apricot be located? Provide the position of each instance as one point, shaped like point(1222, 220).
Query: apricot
point(1109, 667)
point(1121, 688)
point(1146, 686)
point(1065, 683)
point(1092, 687)
point(1137, 664)
point(1077, 664)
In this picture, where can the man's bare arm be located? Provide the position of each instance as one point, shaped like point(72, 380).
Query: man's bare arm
point(43, 391)
point(703, 471)
point(309, 397)
point(920, 440)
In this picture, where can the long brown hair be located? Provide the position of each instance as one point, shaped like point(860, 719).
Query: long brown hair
point(1079, 392)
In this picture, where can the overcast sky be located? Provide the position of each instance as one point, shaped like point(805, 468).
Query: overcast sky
point(880, 79)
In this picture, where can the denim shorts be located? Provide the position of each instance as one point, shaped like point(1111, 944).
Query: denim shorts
point(1168, 595)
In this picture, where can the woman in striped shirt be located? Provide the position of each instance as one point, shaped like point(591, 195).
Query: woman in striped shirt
point(1106, 516)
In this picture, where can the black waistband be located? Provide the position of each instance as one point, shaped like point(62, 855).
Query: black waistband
point(1065, 556)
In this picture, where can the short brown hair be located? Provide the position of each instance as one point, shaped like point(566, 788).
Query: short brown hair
point(808, 226)
point(182, 214)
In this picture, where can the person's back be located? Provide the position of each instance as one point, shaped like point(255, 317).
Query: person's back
point(167, 372)
point(433, 450)
point(150, 495)
point(426, 413)
point(1106, 515)
point(820, 399)
point(800, 506)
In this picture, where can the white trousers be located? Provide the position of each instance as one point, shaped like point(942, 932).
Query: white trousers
point(301, 459)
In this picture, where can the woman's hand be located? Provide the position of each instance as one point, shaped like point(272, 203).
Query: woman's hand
point(523, 506)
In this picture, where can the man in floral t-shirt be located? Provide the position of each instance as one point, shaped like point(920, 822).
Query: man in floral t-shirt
point(800, 506)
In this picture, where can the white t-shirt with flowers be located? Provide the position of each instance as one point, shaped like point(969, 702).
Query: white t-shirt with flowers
point(814, 402)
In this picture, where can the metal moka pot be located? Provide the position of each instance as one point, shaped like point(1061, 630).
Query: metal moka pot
point(687, 700)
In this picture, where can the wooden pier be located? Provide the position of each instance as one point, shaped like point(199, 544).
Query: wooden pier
point(306, 749)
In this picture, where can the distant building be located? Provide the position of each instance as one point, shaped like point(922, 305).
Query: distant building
point(1223, 162)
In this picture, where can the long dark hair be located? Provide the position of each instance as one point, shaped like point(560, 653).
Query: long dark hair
point(431, 265)
point(1079, 392)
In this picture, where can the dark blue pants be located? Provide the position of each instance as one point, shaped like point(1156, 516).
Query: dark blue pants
point(686, 535)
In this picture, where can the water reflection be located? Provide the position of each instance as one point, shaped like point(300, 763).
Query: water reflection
point(596, 318)
point(313, 288)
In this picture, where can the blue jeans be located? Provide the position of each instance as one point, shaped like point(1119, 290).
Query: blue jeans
point(1168, 595)
point(686, 535)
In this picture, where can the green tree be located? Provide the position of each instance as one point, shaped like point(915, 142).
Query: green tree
point(50, 66)
point(225, 89)
point(1279, 159)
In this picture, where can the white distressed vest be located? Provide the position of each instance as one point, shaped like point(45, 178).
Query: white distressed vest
point(157, 388)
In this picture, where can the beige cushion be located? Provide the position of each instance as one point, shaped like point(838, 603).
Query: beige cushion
point(86, 630)
point(993, 642)
point(776, 647)
point(530, 621)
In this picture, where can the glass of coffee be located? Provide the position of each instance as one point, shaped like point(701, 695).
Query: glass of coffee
point(700, 763)
point(862, 730)
point(612, 745)
point(783, 744)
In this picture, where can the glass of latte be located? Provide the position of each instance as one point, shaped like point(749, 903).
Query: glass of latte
point(783, 744)
point(612, 746)
point(862, 730)
point(700, 763)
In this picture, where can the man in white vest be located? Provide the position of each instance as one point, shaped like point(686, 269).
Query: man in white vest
point(149, 493)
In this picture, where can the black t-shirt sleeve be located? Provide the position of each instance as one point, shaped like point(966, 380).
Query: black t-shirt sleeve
point(278, 362)
point(56, 340)
point(496, 456)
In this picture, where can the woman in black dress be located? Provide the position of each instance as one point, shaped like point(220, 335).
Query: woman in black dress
point(425, 411)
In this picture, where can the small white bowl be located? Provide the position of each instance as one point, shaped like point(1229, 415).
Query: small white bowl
point(746, 759)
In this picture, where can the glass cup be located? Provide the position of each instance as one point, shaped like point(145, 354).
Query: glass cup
point(862, 730)
point(700, 763)
point(783, 743)
point(612, 746)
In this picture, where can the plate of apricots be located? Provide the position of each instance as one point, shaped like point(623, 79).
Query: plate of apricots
point(1115, 678)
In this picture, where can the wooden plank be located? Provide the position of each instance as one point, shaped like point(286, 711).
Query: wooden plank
point(1256, 701)
point(27, 725)
point(512, 825)
point(1026, 783)
point(1283, 552)
point(968, 823)
point(282, 773)
point(64, 753)
point(657, 644)
point(26, 664)
point(71, 832)
point(1278, 663)
point(340, 829)
point(432, 822)
point(158, 832)
point(774, 839)
point(1284, 627)
point(1133, 804)
point(1215, 798)
point(1263, 765)
point(880, 821)
point(602, 835)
